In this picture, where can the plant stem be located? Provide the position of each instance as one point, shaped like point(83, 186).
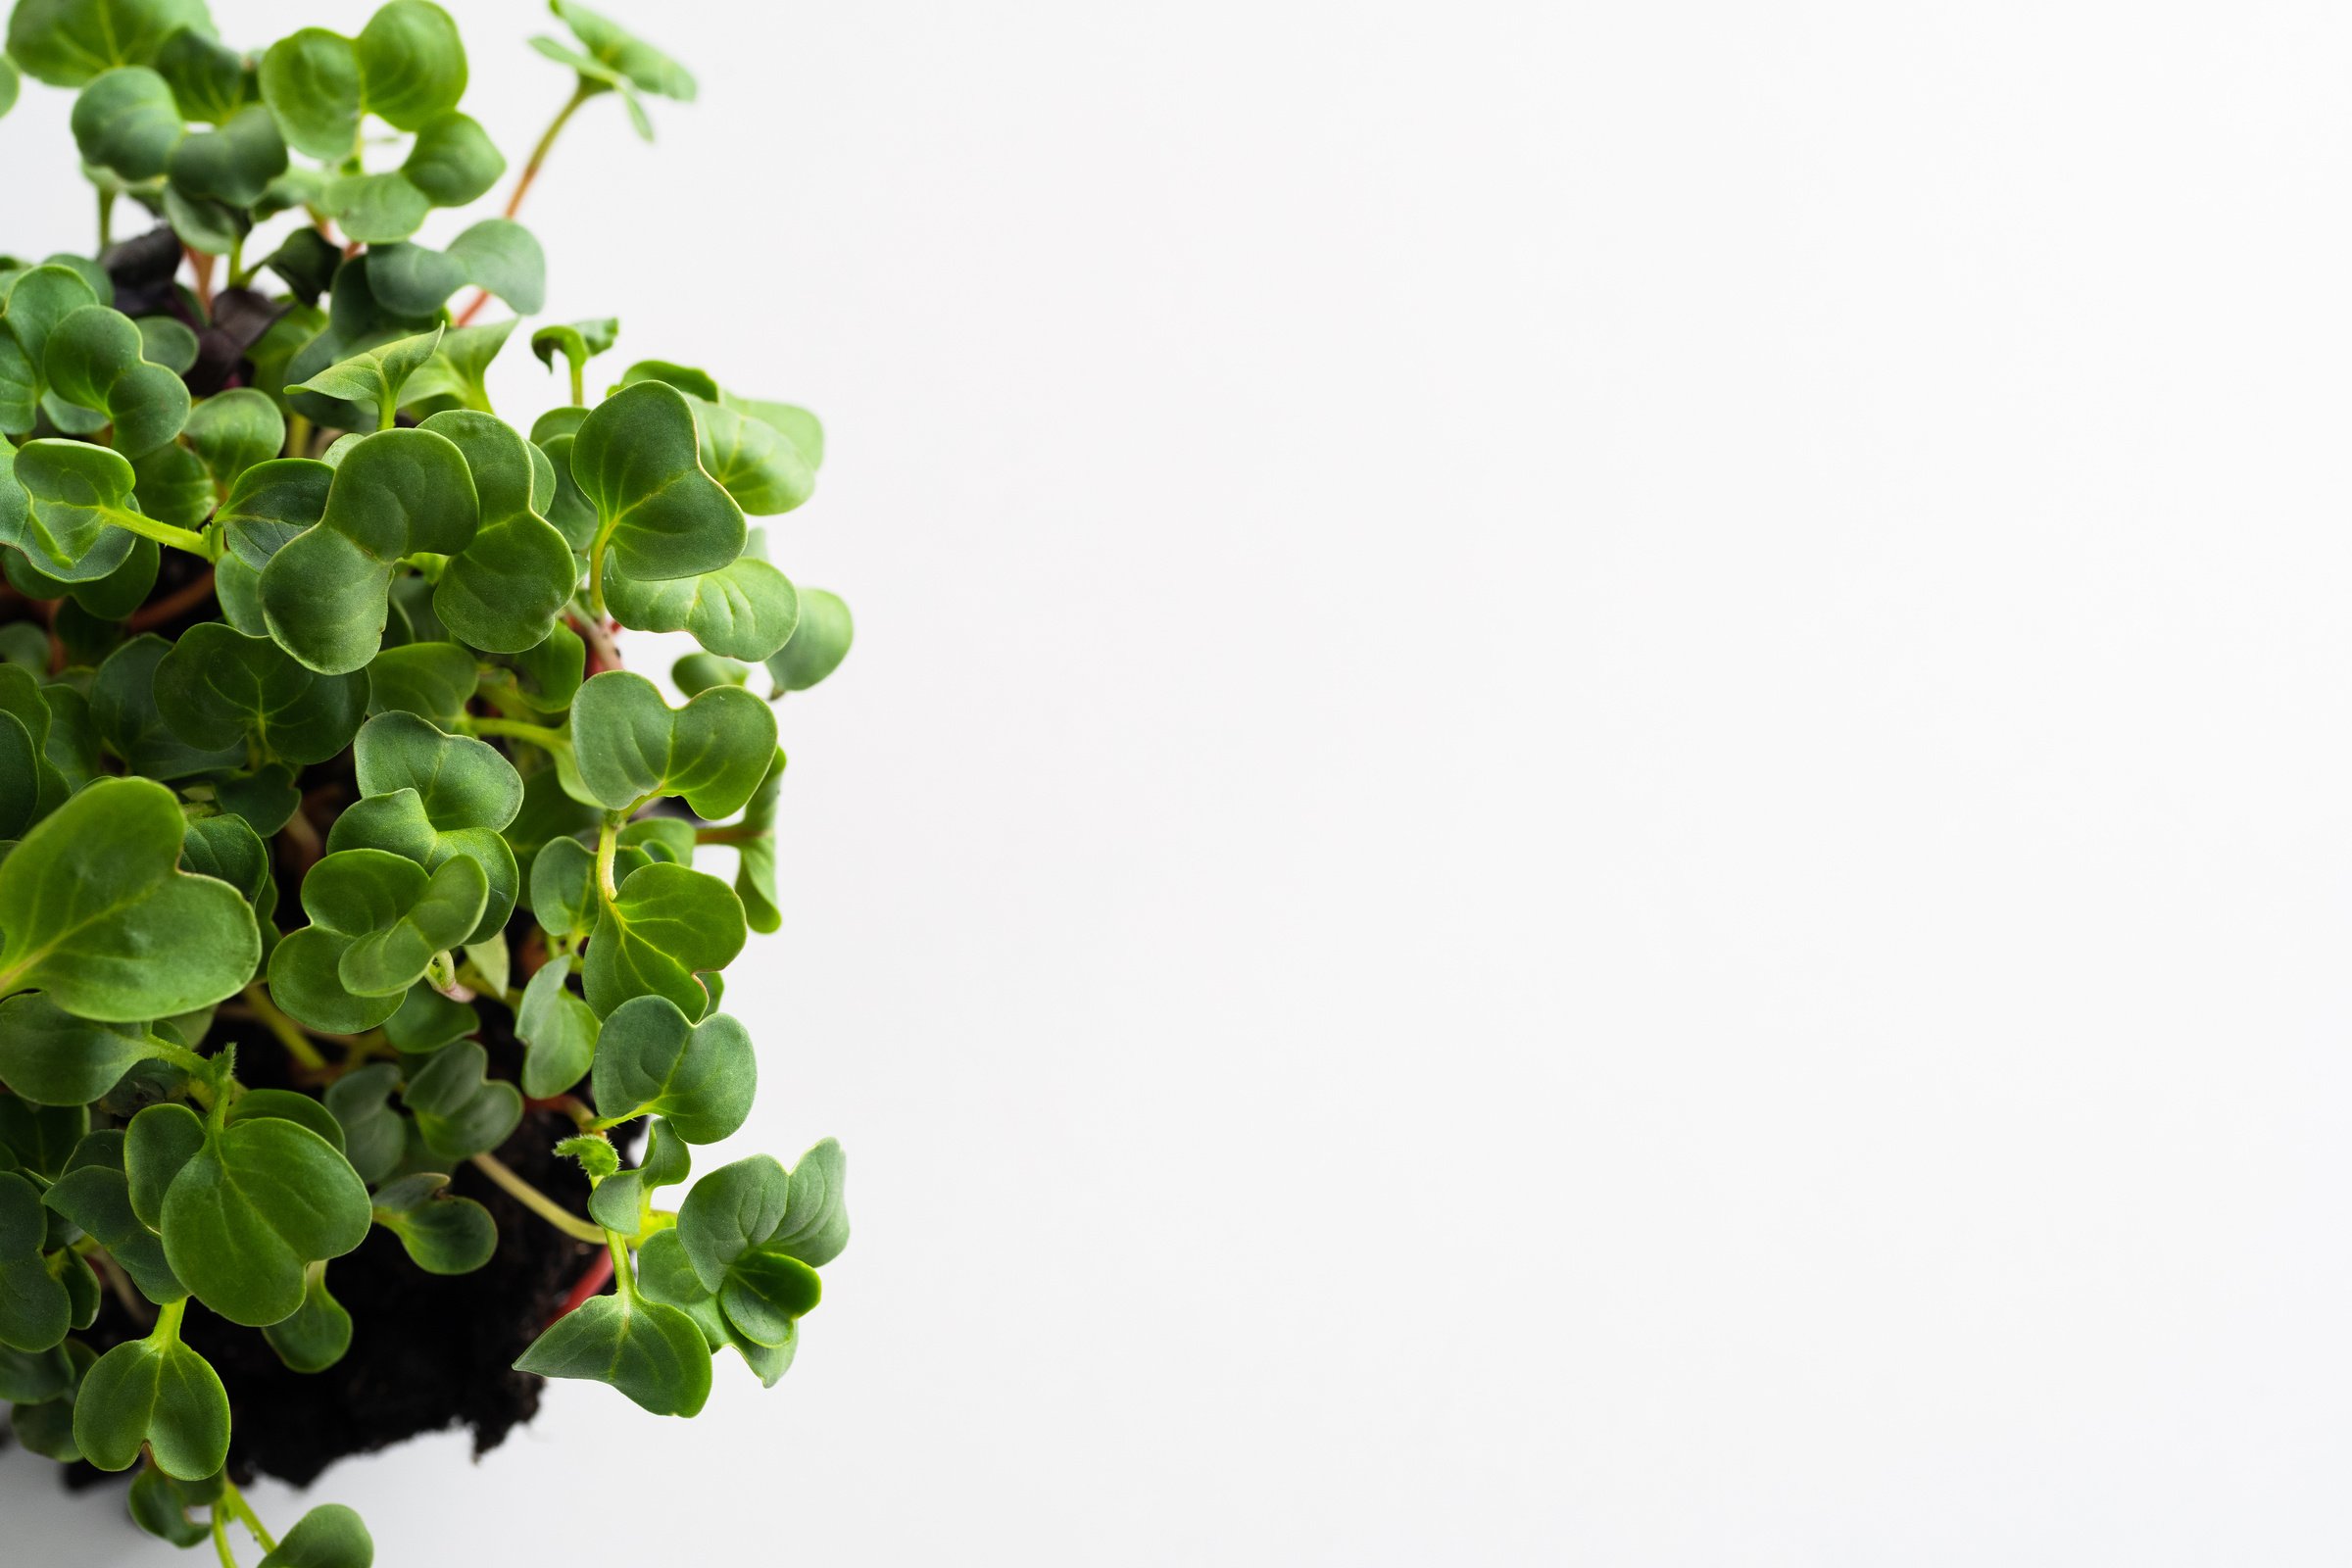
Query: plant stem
point(625, 1278)
point(530, 172)
point(289, 1033)
point(538, 735)
point(166, 1322)
point(172, 605)
point(735, 833)
point(229, 1557)
point(106, 217)
point(195, 544)
point(537, 1201)
point(298, 432)
point(580, 381)
point(608, 841)
point(245, 1515)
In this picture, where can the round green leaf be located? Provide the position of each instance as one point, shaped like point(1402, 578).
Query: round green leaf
point(636, 459)
point(701, 1077)
point(126, 121)
point(411, 63)
point(220, 688)
point(93, 359)
point(252, 1209)
point(311, 82)
point(821, 641)
point(631, 745)
point(53, 1058)
point(650, 1353)
point(95, 912)
point(318, 1333)
point(67, 43)
point(668, 924)
point(162, 1394)
point(329, 1536)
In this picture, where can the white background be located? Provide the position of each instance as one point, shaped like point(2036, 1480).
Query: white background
point(1589, 806)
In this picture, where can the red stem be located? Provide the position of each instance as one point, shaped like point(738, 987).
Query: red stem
point(592, 1283)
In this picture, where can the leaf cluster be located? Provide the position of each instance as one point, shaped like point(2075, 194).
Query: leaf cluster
point(314, 741)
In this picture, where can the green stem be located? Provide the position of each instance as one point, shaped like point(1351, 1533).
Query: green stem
point(289, 1033)
point(297, 436)
point(530, 170)
point(537, 1201)
point(166, 1322)
point(106, 217)
point(245, 1515)
point(538, 735)
point(608, 841)
point(229, 1557)
point(164, 533)
point(624, 1279)
point(580, 381)
point(596, 570)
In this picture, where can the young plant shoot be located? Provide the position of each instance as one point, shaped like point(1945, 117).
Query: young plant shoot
point(347, 879)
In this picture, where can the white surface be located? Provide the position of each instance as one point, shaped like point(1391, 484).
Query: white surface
point(1590, 808)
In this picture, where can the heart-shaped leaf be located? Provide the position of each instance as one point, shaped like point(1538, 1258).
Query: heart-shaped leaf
point(651, 1059)
point(433, 797)
point(668, 924)
point(373, 1132)
point(631, 746)
point(247, 1213)
point(78, 525)
point(67, 43)
point(233, 165)
point(553, 1022)
point(745, 610)
point(93, 359)
point(411, 62)
point(219, 688)
point(442, 1233)
point(155, 1392)
point(377, 921)
point(458, 1111)
point(318, 1333)
point(51, 1058)
point(431, 680)
point(96, 1197)
point(397, 493)
point(502, 592)
point(95, 912)
point(232, 432)
point(650, 1353)
point(374, 378)
point(821, 641)
point(636, 461)
point(126, 121)
point(35, 1312)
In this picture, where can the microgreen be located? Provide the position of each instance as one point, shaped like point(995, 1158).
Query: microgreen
point(382, 802)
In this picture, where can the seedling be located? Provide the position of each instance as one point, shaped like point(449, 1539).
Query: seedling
point(292, 610)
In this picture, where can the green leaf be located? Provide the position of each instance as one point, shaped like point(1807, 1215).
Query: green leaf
point(127, 121)
point(97, 1198)
point(817, 1218)
point(632, 746)
point(556, 1026)
point(731, 1212)
point(453, 161)
point(377, 920)
point(256, 1205)
point(504, 257)
point(458, 1111)
point(502, 592)
point(373, 1132)
point(443, 1234)
point(398, 492)
point(433, 797)
point(651, 1059)
point(219, 688)
point(329, 1536)
point(458, 375)
point(160, 1506)
point(650, 1353)
point(763, 471)
point(613, 46)
point(29, 1377)
point(235, 431)
point(819, 643)
point(35, 1312)
point(377, 209)
point(318, 1333)
point(270, 503)
point(697, 673)
point(577, 341)
point(375, 376)
point(597, 1157)
point(755, 853)
point(794, 424)
point(169, 342)
point(411, 63)
point(67, 43)
point(92, 359)
point(95, 912)
point(207, 77)
point(310, 80)
point(156, 1148)
point(10, 86)
point(414, 279)
point(431, 680)
point(124, 714)
point(619, 1201)
point(172, 486)
point(51, 1058)
point(427, 1020)
point(288, 1104)
point(159, 1394)
point(765, 1291)
point(660, 515)
point(232, 165)
point(77, 524)
point(668, 924)
point(745, 610)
